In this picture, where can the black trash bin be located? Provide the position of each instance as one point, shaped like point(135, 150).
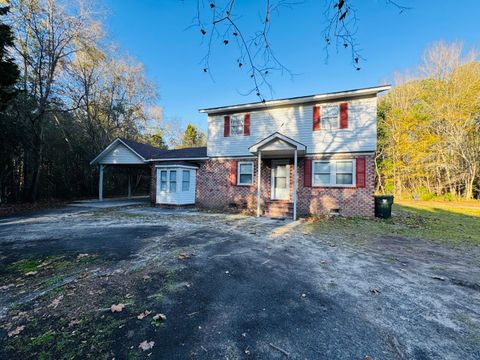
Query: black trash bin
point(383, 206)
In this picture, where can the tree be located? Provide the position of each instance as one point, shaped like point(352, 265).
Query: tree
point(192, 137)
point(156, 139)
point(219, 24)
point(429, 128)
point(9, 72)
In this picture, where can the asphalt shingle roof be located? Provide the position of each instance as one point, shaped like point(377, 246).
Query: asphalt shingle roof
point(149, 152)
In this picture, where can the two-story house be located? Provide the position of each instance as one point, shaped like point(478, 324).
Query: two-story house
point(289, 157)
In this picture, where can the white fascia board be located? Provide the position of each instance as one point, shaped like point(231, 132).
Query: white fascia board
point(177, 166)
point(297, 145)
point(299, 100)
point(107, 149)
point(178, 159)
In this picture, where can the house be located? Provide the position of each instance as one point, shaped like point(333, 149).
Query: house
point(290, 157)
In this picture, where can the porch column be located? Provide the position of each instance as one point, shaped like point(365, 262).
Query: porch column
point(295, 186)
point(100, 182)
point(259, 178)
point(129, 187)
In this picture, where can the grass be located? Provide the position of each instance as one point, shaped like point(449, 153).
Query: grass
point(454, 223)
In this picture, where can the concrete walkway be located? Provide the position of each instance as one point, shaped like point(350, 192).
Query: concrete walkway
point(112, 203)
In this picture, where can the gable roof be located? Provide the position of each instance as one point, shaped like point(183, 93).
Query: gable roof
point(151, 153)
point(298, 100)
point(276, 136)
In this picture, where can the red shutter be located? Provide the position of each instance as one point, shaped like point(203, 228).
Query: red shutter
point(307, 173)
point(316, 118)
point(233, 173)
point(226, 125)
point(344, 115)
point(361, 174)
point(246, 125)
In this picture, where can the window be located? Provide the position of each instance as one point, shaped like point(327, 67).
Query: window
point(333, 173)
point(163, 180)
point(321, 173)
point(173, 181)
point(245, 173)
point(330, 117)
point(344, 173)
point(186, 180)
point(236, 125)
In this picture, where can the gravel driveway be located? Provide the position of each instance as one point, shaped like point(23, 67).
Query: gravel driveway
point(230, 286)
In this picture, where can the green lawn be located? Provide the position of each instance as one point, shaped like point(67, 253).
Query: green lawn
point(449, 222)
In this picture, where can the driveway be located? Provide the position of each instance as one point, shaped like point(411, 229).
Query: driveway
point(230, 286)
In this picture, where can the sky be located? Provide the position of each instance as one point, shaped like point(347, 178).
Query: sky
point(159, 34)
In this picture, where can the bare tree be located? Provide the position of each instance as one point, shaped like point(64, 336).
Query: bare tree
point(219, 21)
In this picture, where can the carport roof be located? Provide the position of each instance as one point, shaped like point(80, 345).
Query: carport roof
point(151, 153)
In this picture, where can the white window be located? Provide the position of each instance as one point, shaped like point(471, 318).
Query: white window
point(173, 181)
point(330, 117)
point(186, 180)
point(236, 125)
point(334, 173)
point(321, 173)
point(163, 180)
point(245, 173)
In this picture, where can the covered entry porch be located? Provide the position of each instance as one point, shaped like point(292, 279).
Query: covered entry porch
point(278, 155)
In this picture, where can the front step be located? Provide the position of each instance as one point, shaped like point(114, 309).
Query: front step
point(278, 209)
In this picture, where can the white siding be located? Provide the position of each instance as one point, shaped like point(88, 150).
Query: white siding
point(296, 122)
point(120, 154)
point(179, 197)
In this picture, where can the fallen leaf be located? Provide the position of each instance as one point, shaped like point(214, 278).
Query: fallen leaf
point(146, 345)
point(183, 256)
point(117, 308)
point(160, 317)
point(17, 331)
point(73, 322)
point(144, 314)
point(55, 302)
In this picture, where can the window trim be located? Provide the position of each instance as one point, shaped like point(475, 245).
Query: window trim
point(186, 182)
point(333, 173)
point(322, 126)
point(239, 117)
point(239, 174)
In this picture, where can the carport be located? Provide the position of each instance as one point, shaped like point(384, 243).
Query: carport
point(127, 156)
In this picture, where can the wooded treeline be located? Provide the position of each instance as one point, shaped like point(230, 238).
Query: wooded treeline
point(429, 128)
point(75, 93)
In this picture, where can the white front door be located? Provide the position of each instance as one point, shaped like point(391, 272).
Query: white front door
point(280, 180)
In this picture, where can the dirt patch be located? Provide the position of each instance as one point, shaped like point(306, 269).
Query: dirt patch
point(228, 286)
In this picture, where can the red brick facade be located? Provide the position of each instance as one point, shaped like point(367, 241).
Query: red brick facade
point(215, 191)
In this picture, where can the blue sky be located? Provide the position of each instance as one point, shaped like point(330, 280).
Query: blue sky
point(156, 33)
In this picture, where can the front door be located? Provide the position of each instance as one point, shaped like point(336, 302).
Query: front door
point(280, 180)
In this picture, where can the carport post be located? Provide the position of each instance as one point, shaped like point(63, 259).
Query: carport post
point(100, 182)
point(259, 177)
point(295, 186)
point(129, 187)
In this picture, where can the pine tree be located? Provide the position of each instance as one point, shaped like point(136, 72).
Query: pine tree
point(9, 72)
point(192, 137)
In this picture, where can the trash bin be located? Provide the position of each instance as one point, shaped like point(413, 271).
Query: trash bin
point(383, 206)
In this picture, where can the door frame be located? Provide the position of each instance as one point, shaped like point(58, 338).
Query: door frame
point(272, 178)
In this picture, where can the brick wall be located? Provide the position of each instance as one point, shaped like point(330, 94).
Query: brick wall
point(214, 190)
point(349, 201)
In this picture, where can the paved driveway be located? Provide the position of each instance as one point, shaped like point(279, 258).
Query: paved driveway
point(231, 287)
